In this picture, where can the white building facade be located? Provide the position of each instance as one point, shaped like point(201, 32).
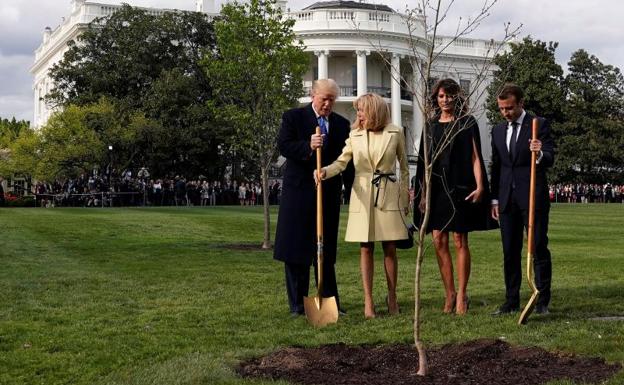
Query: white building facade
point(364, 47)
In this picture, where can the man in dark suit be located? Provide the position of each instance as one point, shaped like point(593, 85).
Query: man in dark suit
point(295, 240)
point(511, 169)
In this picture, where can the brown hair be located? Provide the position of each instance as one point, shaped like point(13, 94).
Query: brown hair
point(451, 87)
point(376, 111)
point(509, 90)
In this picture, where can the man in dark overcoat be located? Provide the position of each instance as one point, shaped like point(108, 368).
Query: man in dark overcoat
point(511, 170)
point(295, 239)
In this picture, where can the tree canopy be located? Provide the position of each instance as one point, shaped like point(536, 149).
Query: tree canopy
point(531, 65)
point(591, 139)
point(586, 108)
point(12, 131)
point(120, 56)
point(147, 65)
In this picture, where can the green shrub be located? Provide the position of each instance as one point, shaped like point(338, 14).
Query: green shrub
point(25, 201)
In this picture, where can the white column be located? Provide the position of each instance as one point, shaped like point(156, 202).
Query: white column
point(36, 115)
point(362, 74)
point(395, 74)
point(323, 68)
point(417, 105)
point(206, 6)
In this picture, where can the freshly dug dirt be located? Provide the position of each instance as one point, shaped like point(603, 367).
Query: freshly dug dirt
point(477, 362)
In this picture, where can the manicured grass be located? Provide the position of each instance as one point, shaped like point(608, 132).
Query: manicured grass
point(155, 296)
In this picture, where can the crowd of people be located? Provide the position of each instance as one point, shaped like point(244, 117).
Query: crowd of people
point(587, 193)
point(129, 190)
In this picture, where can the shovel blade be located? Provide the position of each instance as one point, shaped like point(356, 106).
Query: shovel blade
point(528, 309)
point(321, 311)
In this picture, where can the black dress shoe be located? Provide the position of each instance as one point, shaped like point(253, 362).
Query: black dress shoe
point(541, 309)
point(506, 309)
point(342, 312)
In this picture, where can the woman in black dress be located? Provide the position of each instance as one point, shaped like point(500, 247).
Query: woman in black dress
point(459, 188)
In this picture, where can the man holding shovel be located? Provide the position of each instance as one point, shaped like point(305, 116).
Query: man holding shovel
point(511, 167)
point(296, 239)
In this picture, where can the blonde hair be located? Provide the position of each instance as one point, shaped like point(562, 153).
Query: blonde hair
point(325, 85)
point(376, 111)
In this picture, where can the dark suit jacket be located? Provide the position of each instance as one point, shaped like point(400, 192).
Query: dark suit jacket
point(507, 173)
point(295, 239)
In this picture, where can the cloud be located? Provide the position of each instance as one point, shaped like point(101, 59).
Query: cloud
point(9, 14)
point(16, 97)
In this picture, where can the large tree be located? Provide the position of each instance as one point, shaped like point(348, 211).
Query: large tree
point(591, 140)
point(14, 134)
point(120, 56)
point(10, 129)
point(256, 75)
point(150, 65)
point(76, 140)
point(531, 65)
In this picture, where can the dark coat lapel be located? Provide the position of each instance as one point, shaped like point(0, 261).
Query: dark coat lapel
point(310, 119)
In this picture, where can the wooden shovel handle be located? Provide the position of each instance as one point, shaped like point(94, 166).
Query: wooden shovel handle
point(319, 194)
point(531, 246)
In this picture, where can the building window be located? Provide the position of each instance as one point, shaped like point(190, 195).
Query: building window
point(465, 86)
point(19, 187)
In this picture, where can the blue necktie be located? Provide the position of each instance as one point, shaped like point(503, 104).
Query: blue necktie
point(323, 125)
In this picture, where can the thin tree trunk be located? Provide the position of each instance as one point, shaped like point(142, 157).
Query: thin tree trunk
point(422, 233)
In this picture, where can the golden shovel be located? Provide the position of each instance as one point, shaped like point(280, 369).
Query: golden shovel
point(528, 309)
point(320, 311)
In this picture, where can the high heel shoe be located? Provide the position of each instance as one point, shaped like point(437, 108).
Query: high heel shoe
point(449, 309)
point(398, 309)
point(466, 303)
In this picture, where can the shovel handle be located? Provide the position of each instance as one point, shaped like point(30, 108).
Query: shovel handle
point(530, 231)
point(319, 222)
point(319, 194)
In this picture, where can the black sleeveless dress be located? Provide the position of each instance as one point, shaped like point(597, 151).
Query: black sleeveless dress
point(453, 178)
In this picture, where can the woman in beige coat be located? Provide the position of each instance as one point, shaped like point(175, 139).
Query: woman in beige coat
point(379, 200)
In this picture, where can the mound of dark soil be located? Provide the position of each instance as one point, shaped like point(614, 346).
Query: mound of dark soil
point(478, 362)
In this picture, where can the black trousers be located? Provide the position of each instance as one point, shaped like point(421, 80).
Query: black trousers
point(513, 223)
point(298, 282)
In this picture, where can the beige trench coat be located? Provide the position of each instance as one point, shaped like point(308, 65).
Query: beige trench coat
point(385, 221)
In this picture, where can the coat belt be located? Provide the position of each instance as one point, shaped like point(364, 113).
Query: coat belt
point(377, 177)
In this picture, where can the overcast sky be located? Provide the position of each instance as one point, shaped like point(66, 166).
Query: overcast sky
point(595, 26)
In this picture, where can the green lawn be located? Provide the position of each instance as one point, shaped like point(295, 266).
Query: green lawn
point(154, 296)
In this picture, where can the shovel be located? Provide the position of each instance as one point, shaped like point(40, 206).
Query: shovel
point(528, 309)
point(320, 311)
